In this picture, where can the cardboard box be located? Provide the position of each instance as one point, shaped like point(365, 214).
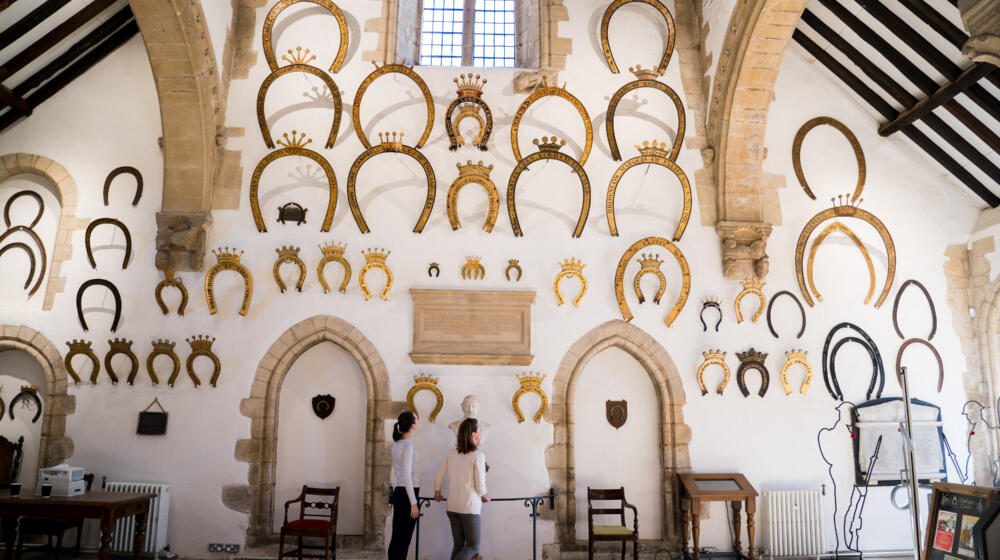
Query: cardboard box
point(61, 473)
point(63, 488)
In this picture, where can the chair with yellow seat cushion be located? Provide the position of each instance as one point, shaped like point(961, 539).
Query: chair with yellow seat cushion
point(620, 532)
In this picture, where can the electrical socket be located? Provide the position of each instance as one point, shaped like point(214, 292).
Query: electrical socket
point(224, 547)
point(232, 548)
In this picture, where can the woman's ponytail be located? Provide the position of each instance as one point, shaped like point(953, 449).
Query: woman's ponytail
point(403, 424)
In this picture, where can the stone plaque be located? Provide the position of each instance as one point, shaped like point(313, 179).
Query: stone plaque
point(471, 327)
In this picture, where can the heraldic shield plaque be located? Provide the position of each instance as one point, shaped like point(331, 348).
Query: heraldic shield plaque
point(617, 412)
point(323, 405)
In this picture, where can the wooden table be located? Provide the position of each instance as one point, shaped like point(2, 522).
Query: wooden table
point(108, 507)
point(727, 487)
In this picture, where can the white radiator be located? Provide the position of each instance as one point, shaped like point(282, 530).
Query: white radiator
point(794, 522)
point(156, 524)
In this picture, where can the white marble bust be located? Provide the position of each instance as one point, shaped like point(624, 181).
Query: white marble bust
point(470, 409)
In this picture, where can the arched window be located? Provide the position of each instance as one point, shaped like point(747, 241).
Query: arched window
point(468, 33)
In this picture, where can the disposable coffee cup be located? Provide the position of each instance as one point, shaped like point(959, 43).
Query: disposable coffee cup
point(15, 489)
point(46, 490)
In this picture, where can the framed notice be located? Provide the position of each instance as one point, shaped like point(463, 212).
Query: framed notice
point(954, 511)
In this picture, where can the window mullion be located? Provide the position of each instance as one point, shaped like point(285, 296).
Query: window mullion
point(468, 36)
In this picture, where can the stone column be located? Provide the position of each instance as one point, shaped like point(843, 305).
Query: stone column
point(180, 240)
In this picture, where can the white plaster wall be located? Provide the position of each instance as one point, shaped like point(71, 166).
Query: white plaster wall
point(218, 16)
point(110, 117)
point(20, 369)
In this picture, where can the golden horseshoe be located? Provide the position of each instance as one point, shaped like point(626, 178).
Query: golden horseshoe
point(118, 346)
point(717, 358)
point(855, 145)
point(845, 211)
point(472, 270)
point(170, 281)
point(333, 252)
point(162, 347)
point(834, 226)
point(338, 103)
point(294, 146)
point(395, 146)
point(606, 21)
point(81, 347)
point(751, 286)
point(392, 69)
point(544, 90)
point(548, 150)
point(650, 265)
point(513, 264)
point(681, 262)
point(650, 154)
point(792, 358)
point(375, 258)
point(479, 174)
point(272, 61)
point(530, 383)
point(425, 383)
point(468, 103)
point(289, 254)
point(201, 346)
point(228, 259)
point(574, 268)
point(646, 79)
point(109, 221)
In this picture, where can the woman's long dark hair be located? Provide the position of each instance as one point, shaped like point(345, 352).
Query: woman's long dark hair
point(468, 427)
point(403, 424)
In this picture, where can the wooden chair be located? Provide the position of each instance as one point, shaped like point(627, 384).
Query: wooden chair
point(51, 528)
point(10, 460)
point(317, 519)
point(618, 532)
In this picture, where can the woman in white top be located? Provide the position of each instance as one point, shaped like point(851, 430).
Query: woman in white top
point(404, 496)
point(466, 470)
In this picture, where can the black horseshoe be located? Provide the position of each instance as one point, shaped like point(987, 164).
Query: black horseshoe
point(19, 396)
point(4, 409)
point(930, 304)
point(705, 306)
point(435, 268)
point(802, 311)
point(764, 376)
point(101, 221)
point(17, 195)
point(114, 292)
point(450, 127)
point(834, 389)
point(41, 252)
point(31, 260)
point(118, 171)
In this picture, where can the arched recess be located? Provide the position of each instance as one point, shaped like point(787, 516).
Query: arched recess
point(52, 171)
point(54, 447)
point(674, 434)
point(256, 498)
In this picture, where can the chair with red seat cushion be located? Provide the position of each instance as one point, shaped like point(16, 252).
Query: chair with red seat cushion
point(317, 519)
point(611, 532)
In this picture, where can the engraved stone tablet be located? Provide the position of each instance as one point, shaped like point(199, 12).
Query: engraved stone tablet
point(472, 327)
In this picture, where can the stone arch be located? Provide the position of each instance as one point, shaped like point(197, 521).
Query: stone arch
point(16, 164)
point(260, 451)
point(54, 447)
point(674, 434)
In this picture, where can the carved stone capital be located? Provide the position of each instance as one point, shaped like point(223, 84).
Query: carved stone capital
point(744, 248)
point(180, 240)
point(982, 20)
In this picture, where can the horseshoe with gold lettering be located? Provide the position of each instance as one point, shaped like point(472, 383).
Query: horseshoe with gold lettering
point(650, 265)
point(650, 154)
point(930, 304)
point(718, 358)
point(114, 293)
point(395, 146)
point(30, 194)
point(749, 360)
point(170, 281)
point(548, 150)
point(574, 268)
point(162, 347)
point(118, 171)
point(38, 245)
point(202, 346)
point(109, 221)
point(392, 69)
point(530, 383)
point(425, 383)
point(751, 286)
point(792, 358)
point(606, 22)
point(272, 61)
point(294, 146)
point(469, 102)
point(333, 252)
point(855, 145)
point(681, 262)
point(479, 174)
point(119, 346)
point(300, 65)
point(899, 361)
point(31, 259)
point(835, 226)
point(545, 90)
point(81, 347)
point(644, 79)
point(289, 254)
point(228, 259)
point(375, 258)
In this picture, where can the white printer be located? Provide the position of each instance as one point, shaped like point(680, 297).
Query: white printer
point(65, 480)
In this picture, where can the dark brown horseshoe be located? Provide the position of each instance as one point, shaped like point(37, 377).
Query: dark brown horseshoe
point(899, 361)
point(31, 393)
point(101, 221)
point(114, 293)
point(741, 377)
point(802, 311)
point(31, 258)
point(17, 195)
point(118, 171)
point(41, 252)
point(930, 304)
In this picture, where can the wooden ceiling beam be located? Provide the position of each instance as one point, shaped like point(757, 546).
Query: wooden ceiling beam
point(28, 22)
point(6, 4)
point(944, 94)
point(7, 97)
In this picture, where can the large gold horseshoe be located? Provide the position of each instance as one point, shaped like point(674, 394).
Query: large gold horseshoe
point(293, 147)
point(333, 252)
point(338, 103)
point(272, 61)
point(375, 258)
point(480, 175)
point(681, 262)
point(609, 119)
point(162, 347)
point(751, 286)
point(530, 383)
point(547, 151)
point(650, 154)
point(395, 146)
point(800, 136)
point(228, 259)
point(288, 254)
point(392, 69)
point(834, 226)
point(606, 21)
point(425, 383)
point(845, 211)
point(717, 358)
point(792, 358)
point(170, 281)
point(574, 268)
point(81, 347)
point(202, 346)
point(650, 265)
point(544, 90)
point(107, 221)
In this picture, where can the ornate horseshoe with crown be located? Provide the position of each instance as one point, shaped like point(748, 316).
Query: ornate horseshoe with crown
point(792, 358)
point(479, 174)
point(650, 154)
point(38, 245)
point(473, 269)
point(333, 252)
point(710, 303)
point(545, 90)
point(78, 347)
point(119, 346)
point(513, 264)
point(392, 69)
point(202, 346)
point(272, 16)
point(299, 64)
point(574, 268)
point(548, 151)
point(751, 286)
point(288, 254)
point(395, 146)
point(716, 358)
point(606, 23)
point(118, 171)
point(375, 259)
point(425, 383)
point(114, 293)
point(228, 259)
point(644, 79)
point(752, 360)
point(530, 383)
point(837, 226)
point(681, 262)
point(294, 146)
point(162, 347)
point(27, 392)
point(170, 281)
point(800, 136)
point(469, 103)
point(107, 221)
point(650, 265)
